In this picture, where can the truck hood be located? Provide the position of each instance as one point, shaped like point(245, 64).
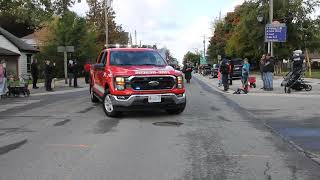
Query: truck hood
point(143, 70)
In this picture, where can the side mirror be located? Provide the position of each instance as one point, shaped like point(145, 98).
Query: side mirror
point(98, 67)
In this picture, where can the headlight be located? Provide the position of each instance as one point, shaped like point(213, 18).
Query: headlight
point(120, 83)
point(179, 82)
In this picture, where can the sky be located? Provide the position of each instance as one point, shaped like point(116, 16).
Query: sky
point(179, 25)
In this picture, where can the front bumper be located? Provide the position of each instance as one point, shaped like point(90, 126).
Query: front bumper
point(140, 102)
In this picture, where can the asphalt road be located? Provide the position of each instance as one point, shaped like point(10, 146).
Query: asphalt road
point(65, 136)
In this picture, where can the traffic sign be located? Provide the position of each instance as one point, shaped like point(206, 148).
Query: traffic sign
point(276, 33)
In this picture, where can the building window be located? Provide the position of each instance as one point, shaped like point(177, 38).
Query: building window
point(29, 63)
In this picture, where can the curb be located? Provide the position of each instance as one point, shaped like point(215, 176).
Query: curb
point(257, 94)
point(314, 157)
point(60, 92)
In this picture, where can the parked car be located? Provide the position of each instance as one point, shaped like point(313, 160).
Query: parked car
point(236, 65)
point(206, 70)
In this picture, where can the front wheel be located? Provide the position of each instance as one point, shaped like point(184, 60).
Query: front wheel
point(108, 106)
point(308, 87)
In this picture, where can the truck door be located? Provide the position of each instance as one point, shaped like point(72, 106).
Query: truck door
point(99, 72)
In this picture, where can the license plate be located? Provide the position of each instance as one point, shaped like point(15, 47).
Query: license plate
point(154, 98)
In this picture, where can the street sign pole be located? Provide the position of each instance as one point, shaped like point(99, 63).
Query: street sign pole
point(270, 45)
point(107, 7)
point(65, 67)
point(65, 50)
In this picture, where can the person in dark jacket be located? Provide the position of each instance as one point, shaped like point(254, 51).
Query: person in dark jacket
point(48, 71)
point(225, 70)
point(187, 70)
point(268, 70)
point(231, 67)
point(261, 64)
point(34, 73)
point(75, 73)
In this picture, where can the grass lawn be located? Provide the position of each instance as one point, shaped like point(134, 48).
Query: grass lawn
point(315, 74)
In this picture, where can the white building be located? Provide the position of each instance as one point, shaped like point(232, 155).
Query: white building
point(17, 54)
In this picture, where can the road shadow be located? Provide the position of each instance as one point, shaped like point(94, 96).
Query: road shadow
point(146, 114)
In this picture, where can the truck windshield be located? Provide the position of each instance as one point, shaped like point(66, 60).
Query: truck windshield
point(136, 58)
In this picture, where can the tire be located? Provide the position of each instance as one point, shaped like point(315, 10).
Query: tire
point(287, 90)
point(93, 97)
point(177, 110)
point(308, 87)
point(108, 107)
point(28, 93)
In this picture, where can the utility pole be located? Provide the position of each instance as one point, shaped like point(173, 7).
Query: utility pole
point(135, 37)
point(107, 7)
point(204, 46)
point(270, 44)
point(106, 21)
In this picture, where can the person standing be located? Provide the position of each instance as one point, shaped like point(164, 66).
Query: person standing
point(34, 73)
point(231, 66)
point(224, 70)
point(187, 70)
point(87, 67)
point(261, 65)
point(3, 79)
point(75, 73)
point(245, 75)
point(268, 70)
point(70, 72)
point(48, 71)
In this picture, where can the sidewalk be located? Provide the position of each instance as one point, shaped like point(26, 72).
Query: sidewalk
point(59, 86)
point(236, 83)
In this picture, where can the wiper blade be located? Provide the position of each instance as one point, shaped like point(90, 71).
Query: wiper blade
point(148, 64)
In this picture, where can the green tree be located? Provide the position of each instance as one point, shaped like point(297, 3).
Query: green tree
point(96, 18)
point(239, 34)
point(22, 17)
point(191, 57)
point(70, 30)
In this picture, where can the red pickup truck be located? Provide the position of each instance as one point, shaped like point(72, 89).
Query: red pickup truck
point(126, 79)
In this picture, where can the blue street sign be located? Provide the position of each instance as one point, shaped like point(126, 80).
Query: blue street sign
point(276, 33)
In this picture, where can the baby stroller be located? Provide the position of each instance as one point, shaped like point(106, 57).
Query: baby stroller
point(19, 86)
point(294, 79)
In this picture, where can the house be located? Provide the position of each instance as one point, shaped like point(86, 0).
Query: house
point(32, 40)
point(17, 54)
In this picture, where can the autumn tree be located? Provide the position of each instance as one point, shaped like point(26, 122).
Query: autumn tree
point(96, 19)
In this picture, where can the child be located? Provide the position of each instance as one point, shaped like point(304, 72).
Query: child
point(219, 78)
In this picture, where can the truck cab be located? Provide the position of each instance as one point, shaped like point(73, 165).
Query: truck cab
point(129, 79)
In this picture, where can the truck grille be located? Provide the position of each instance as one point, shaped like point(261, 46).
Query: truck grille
point(152, 83)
